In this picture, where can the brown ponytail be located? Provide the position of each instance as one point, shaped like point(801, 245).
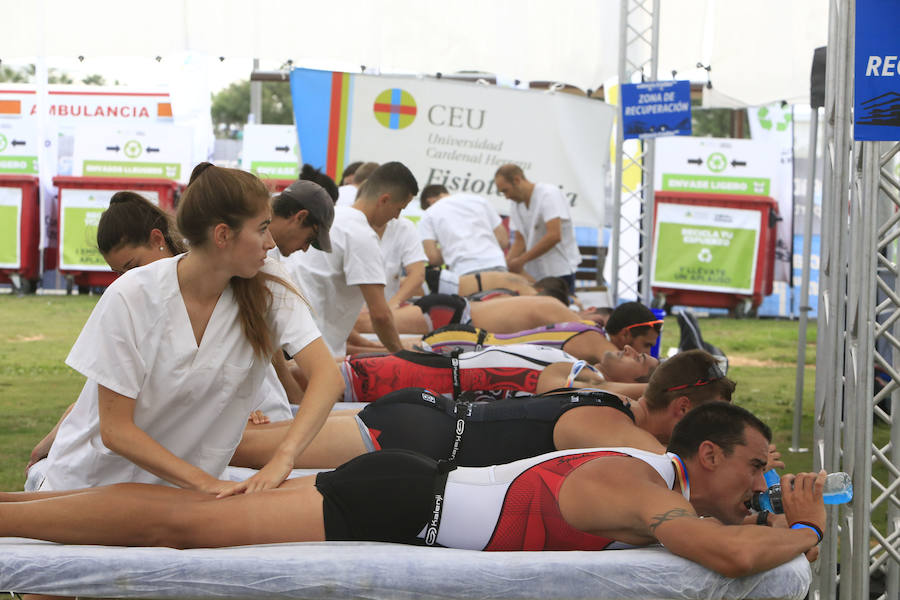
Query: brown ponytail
point(230, 196)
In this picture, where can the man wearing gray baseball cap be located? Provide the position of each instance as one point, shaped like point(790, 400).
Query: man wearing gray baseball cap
point(301, 217)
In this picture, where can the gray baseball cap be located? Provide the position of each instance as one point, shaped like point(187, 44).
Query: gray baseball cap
point(313, 197)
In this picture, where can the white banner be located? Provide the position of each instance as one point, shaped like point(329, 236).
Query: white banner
point(457, 134)
point(68, 106)
point(151, 151)
point(773, 125)
point(271, 151)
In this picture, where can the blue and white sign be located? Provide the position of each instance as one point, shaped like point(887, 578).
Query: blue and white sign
point(877, 76)
point(656, 108)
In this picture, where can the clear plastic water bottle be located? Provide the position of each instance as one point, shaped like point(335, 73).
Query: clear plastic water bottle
point(838, 490)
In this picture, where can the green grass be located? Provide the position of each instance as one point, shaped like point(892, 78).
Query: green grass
point(35, 384)
point(763, 362)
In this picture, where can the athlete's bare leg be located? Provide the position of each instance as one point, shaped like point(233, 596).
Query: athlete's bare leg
point(338, 441)
point(516, 313)
point(135, 514)
point(407, 319)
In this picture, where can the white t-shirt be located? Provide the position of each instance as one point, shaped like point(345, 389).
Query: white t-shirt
point(400, 247)
point(331, 280)
point(193, 400)
point(346, 195)
point(463, 224)
point(547, 203)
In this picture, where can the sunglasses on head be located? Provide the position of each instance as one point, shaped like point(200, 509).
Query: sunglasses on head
point(713, 374)
point(657, 325)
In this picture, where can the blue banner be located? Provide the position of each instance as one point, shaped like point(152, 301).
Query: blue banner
point(877, 71)
point(656, 108)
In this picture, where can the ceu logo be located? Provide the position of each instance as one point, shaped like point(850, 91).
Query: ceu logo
point(395, 108)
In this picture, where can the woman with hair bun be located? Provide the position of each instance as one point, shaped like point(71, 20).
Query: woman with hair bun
point(175, 351)
point(134, 232)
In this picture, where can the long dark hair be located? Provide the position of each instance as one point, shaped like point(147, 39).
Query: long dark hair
point(231, 196)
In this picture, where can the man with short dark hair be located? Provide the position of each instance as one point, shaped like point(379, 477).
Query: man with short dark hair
point(544, 243)
point(462, 230)
point(338, 283)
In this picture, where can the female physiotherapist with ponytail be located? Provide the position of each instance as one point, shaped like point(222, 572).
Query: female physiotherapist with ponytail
point(175, 351)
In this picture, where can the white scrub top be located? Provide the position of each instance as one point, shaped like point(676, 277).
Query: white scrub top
point(193, 400)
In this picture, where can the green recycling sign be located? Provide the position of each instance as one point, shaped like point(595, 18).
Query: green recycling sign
point(705, 248)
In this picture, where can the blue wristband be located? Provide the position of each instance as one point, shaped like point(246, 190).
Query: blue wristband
point(803, 525)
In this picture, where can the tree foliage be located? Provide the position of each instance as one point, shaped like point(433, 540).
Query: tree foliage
point(27, 74)
point(231, 106)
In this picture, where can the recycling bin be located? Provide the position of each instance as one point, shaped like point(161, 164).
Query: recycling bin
point(20, 230)
point(713, 250)
point(81, 202)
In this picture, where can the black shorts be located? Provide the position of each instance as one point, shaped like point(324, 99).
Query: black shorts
point(491, 433)
point(380, 497)
point(443, 309)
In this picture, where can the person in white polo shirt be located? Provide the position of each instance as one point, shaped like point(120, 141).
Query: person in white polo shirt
point(338, 283)
point(544, 243)
point(462, 230)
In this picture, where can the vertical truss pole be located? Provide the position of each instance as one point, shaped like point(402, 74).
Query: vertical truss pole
point(832, 280)
point(804, 307)
point(860, 229)
point(633, 206)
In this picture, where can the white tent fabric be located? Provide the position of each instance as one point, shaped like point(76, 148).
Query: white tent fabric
point(759, 51)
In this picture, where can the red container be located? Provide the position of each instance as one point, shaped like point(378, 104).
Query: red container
point(81, 201)
point(24, 189)
point(745, 299)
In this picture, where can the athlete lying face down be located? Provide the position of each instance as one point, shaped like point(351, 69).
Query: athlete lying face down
point(498, 431)
point(494, 372)
point(585, 499)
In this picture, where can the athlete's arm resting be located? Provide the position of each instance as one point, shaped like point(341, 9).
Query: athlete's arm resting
point(730, 550)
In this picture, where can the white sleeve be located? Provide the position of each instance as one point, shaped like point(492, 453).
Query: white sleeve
point(553, 205)
point(289, 317)
point(426, 228)
point(363, 263)
point(107, 349)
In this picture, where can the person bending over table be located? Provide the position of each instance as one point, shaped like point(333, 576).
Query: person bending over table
point(175, 352)
point(585, 499)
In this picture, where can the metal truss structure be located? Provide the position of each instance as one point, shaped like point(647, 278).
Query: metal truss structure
point(632, 220)
point(858, 331)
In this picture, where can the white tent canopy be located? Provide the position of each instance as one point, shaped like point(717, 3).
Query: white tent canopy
point(758, 51)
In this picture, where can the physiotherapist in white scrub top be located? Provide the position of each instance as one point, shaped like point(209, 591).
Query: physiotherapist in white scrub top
point(174, 352)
